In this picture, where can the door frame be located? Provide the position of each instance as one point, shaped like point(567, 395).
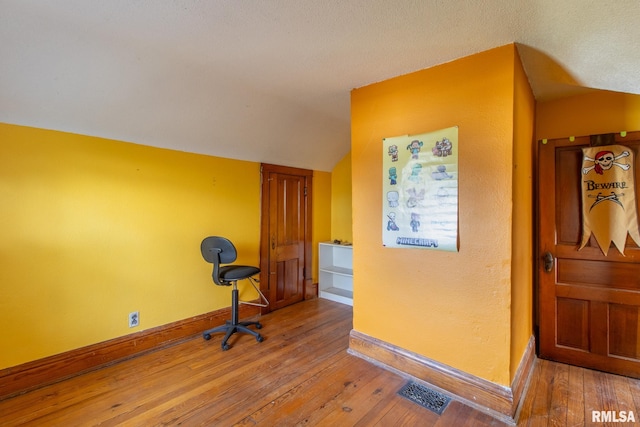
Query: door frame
point(265, 215)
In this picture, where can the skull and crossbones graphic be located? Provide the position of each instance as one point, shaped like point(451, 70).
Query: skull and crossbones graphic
point(605, 160)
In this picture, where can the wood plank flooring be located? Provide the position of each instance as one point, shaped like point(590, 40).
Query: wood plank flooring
point(300, 375)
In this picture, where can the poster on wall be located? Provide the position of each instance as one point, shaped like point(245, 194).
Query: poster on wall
point(609, 197)
point(420, 191)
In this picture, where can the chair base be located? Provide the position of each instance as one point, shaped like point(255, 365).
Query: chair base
point(232, 326)
point(229, 328)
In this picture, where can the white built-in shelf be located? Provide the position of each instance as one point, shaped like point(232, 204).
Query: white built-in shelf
point(336, 272)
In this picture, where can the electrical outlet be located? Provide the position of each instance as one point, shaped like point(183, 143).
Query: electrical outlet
point(134, 319)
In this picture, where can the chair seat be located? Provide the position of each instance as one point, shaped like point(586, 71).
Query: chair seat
point(230, 273)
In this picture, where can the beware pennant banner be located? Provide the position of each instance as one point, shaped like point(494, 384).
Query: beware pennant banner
point(609, 196)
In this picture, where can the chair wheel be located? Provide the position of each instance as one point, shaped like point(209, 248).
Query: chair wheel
point(259, 338)
point(206, 337)
point(258, 326)
point(225, 347)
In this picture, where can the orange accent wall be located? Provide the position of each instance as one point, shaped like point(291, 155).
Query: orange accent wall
point(588, 114)
point(523, 217)
point(455, 308)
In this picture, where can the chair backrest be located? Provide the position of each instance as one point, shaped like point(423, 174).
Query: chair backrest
point(218, 250)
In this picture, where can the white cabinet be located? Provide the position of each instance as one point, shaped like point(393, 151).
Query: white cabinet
point(336, 272)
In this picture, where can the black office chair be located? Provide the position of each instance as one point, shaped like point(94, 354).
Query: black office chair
point(218, 251)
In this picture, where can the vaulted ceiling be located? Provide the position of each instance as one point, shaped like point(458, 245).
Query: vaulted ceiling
point(270, 80)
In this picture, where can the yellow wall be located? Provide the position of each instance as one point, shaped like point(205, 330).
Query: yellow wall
point(93, 229)
point(322, 208)
point(454, 308)
point(341, 227)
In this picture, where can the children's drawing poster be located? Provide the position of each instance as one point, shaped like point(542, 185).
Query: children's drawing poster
point(420, 190)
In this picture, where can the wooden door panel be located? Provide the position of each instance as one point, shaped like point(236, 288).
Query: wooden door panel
point(599, 273)
point(624, 321)
point(287, 252)
point(567, 162)
point(598, 294)
point(573, 323)
point(287, 273)
point(290, 201)
point(589, 303)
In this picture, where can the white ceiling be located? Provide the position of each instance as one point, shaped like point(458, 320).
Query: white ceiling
point(270, 80)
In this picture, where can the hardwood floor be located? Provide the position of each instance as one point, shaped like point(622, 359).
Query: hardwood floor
point(300, 375)
point(564, 395)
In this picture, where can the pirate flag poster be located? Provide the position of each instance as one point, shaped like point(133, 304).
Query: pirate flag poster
point(609, 196)
point(420, 191)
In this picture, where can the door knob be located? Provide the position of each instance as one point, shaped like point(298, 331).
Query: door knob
point(548, 261)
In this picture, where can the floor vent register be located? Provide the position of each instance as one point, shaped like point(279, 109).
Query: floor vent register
point(425, 397)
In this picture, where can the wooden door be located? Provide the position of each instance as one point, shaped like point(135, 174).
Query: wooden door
point(286, 234)
point(588, 303)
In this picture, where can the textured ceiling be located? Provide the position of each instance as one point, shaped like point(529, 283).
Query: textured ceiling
point(270, 80)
